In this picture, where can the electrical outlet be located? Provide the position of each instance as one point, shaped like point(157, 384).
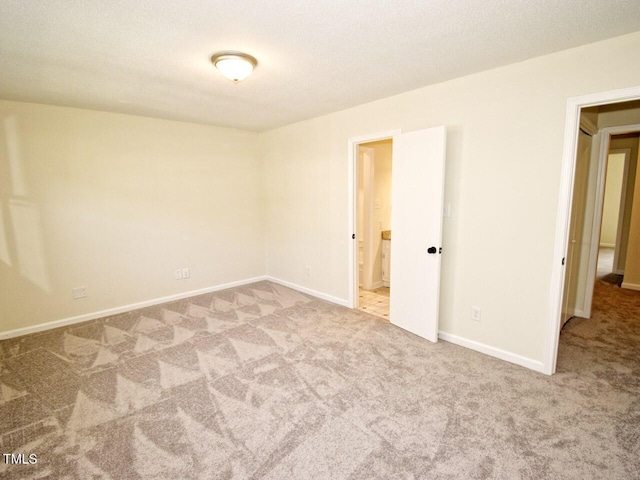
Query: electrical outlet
point(186, 273)
point(476, 314)
point(79, 292)
point(178, 274)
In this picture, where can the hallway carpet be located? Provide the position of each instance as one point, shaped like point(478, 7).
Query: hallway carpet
point(264, 382)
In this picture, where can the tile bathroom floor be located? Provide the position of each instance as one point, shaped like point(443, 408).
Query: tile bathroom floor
point(375, 302)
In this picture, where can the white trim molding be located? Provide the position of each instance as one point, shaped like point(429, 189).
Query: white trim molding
point(630, 286)
point(581, 314)
point(575, 312)
point(314, 293)
point(124, 308)
point(588, 126)
point(511, 357)
point(572, 123)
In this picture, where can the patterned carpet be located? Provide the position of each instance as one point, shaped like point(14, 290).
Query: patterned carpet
point(263, 382)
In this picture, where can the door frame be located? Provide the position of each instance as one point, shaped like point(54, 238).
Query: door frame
point(352, 205)
point(590, 130)
point(572, 124)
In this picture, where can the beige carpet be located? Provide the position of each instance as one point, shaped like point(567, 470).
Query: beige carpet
point(605, 267)
point(264, 382)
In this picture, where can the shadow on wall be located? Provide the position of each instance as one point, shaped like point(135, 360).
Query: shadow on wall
point(21, 241)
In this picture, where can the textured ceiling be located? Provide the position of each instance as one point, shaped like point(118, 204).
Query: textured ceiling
point(151, 57)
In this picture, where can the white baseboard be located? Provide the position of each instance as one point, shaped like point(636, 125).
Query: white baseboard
point(493, 351)
point(386, 284)
point(125, 308)
point(630, 286)
point(577, 313)
point(373, 285)
point(619, 271)
point(313, 293)
point(608, 245)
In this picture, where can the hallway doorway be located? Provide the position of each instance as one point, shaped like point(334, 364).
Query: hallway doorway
point(591, 123)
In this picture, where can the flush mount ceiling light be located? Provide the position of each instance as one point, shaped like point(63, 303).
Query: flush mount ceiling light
point(235, 66)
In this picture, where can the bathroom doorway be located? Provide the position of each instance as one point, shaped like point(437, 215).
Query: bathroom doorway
point(417, 189)
point(373, 235)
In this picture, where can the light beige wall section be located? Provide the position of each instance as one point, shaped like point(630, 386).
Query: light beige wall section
point(632, 261)
point(589, 119)
point(623, 142)
point(612, 195)
point(499, 241)
point(116, 203)
point(381, 199)
point(627, 113)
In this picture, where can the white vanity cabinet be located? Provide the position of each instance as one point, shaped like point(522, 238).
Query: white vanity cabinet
point(386, 263)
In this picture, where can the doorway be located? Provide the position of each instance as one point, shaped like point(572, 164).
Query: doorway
point(578, 245)
point(417, 189)
point(604, 178)
point(373, 235)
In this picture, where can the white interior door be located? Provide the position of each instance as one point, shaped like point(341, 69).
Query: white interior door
point(576, 275)
point(416, 225)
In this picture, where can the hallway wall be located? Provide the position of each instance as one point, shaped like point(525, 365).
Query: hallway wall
point(611, 203)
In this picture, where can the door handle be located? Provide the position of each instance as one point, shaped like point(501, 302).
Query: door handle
point(432, 250)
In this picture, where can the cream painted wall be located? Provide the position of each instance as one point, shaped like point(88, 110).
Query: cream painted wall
point(620, 116)
point(622, 142)
point(632, 261)
point(116, 203)
point(382, 200)
point(499, 241)
point(612, 195)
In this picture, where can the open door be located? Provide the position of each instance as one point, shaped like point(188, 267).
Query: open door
point(416, 224)
point(576, 278)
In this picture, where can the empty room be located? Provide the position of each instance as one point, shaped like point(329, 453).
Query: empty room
point(318, 240)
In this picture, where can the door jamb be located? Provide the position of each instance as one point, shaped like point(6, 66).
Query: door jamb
point(572, 123)
point(352, 204)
